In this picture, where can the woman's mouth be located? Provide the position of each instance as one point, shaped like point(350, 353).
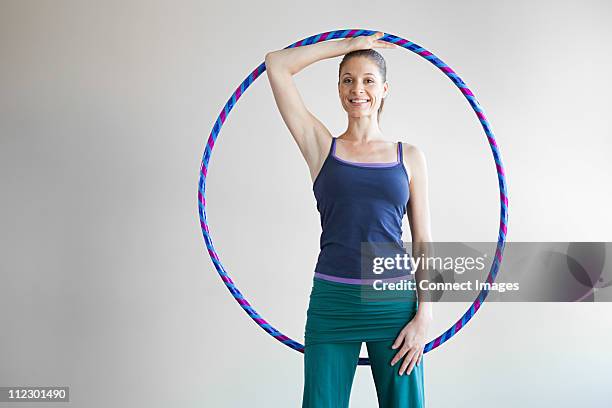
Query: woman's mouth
point(359, 101)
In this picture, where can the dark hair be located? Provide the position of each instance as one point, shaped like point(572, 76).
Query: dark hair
point(376, 58)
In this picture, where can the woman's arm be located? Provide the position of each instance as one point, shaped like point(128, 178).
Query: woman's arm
point(420, 221)
point(411, 340)
point(311, 136)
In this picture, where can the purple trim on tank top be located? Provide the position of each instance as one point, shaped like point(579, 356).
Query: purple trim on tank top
point(354, 281)
point(361, 164)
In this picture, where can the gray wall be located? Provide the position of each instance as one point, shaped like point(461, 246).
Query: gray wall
point(105, 109)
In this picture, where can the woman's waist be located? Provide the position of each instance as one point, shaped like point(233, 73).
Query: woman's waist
point(363, 268)
point(328, 290)
point(359, 279)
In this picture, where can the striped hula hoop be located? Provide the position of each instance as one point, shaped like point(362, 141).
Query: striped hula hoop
point(417, 49)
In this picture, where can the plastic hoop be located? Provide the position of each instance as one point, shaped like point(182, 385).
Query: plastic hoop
point(246, 306)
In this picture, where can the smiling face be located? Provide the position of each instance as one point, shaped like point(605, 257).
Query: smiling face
point(361, 87)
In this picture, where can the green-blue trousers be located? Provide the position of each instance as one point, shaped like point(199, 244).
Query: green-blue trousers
point(340, 317)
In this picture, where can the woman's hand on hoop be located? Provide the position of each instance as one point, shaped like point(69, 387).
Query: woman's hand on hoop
point(366, 42)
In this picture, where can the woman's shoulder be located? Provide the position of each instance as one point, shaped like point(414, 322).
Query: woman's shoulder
point(411, 148)
point(413, 157)
point(412, 151)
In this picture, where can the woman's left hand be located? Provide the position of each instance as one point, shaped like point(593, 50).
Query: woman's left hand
point(411, 341)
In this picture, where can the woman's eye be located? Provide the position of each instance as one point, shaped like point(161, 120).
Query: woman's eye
point(367, 80)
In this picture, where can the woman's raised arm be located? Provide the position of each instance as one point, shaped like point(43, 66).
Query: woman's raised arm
point(311, 136)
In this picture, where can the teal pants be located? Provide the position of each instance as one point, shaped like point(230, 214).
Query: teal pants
point(340, 318)
point(330, 368)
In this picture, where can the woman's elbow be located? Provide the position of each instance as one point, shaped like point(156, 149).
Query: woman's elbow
point(278, 61)
point(271, 58)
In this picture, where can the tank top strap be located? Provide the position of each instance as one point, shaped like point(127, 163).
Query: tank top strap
point(332, 148)
point(400, 152)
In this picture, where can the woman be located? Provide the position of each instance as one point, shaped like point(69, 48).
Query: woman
point(363, 186)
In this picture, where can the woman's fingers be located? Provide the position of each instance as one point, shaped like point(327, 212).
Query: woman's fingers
point(384, 44)
point(380, 43)
point(372, 41)
point(402, 351)
point(408, 360)
point(398, 341)
point(398, 356)
point(415, 360)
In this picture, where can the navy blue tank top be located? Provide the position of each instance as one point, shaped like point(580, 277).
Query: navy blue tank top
point(358, 202)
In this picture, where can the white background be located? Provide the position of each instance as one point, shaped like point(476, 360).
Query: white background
point(105, 107)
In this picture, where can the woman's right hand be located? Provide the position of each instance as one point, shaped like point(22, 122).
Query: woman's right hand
point(366, 42)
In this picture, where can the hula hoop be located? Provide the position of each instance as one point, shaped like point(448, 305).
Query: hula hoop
point(503, 220)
